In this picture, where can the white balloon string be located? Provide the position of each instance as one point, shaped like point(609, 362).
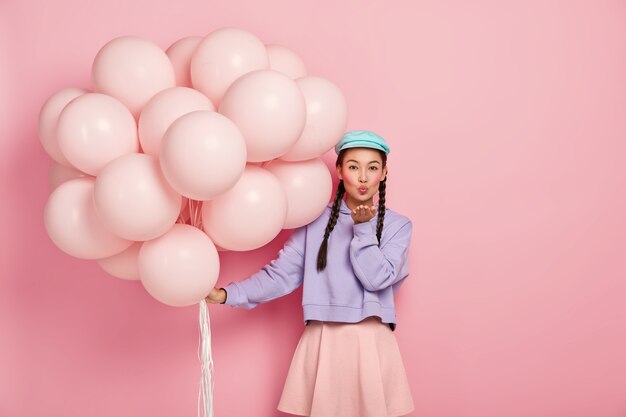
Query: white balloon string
point(196, 219)
point(195, 216)
point(206, 360)
point(191, 212)
point(199, 215)
point(192, 221)
point(266, 163)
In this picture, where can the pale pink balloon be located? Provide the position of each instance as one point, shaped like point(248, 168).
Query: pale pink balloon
point(162, 109)
point(132, 70)
point(269, 109)
point(223, 56)
point(72, 223)
point(134, 200)
point(58, 174)
point(179, 268)
point(180, 53)
point(48, 118)
point(308, 185)
point(203, 154)
point(285, 60)
point(249, 215)
point(94, 129)
point(326, 119)
point(125, 264)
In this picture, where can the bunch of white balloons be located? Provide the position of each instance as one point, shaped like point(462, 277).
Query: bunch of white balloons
point(211, 145)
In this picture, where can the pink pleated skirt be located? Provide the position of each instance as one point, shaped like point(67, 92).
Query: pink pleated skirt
point(347, 370)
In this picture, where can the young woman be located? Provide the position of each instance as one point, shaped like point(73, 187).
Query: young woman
point(351, 260)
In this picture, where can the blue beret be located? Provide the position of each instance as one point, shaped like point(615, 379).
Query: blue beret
point(362, 139)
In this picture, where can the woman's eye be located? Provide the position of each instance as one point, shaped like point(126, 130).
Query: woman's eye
point(352, 166)
point(373, 168)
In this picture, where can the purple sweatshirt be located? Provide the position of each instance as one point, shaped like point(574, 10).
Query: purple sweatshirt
point(360, 278)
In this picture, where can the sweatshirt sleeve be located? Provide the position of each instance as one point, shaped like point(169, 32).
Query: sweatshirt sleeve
point(280, 277)
point(379, 267)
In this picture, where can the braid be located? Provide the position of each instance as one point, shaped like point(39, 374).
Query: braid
point(332, 221)
point(381, 208)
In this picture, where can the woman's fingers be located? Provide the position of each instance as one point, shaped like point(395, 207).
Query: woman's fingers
point(363, 213)
point(215, 296)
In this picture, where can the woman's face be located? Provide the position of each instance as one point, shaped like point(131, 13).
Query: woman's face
point(361, 171)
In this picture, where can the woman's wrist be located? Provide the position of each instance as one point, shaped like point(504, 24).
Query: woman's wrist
point(225, 296)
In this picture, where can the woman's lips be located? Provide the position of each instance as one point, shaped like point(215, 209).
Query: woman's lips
point(363, 190)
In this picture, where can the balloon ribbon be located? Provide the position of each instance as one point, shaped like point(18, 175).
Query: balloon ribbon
point(206, 360)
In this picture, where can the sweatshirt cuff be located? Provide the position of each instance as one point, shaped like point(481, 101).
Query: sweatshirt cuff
point(226, 297)
point(234, 296)
point(364, 231)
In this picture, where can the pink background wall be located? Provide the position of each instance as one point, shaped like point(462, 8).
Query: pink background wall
point(507, 125)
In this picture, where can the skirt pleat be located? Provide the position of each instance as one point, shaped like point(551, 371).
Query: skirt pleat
point(347, 370)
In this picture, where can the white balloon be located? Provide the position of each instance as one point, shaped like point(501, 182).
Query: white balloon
point(285, 60)
point(326, 119)
point(162, 110)
point(308, 186)
point(249, 215)
point(48, 118)
point(124, 265)
point(72, 223)
point(134, 200)
point(94, 129)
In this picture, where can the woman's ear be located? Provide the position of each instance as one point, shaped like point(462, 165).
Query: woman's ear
point(384, 174)
point(339, 172)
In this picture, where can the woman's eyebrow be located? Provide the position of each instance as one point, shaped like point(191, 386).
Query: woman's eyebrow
point(370, 162)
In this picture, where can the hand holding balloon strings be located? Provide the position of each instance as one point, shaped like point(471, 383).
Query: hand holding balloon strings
point(216, 296)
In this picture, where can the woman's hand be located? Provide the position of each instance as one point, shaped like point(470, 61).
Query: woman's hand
point(363, 213)
point(216, 296)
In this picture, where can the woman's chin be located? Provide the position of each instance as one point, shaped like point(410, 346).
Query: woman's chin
point(362, 199)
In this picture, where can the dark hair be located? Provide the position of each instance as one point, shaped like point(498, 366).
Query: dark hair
point(334, 211)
